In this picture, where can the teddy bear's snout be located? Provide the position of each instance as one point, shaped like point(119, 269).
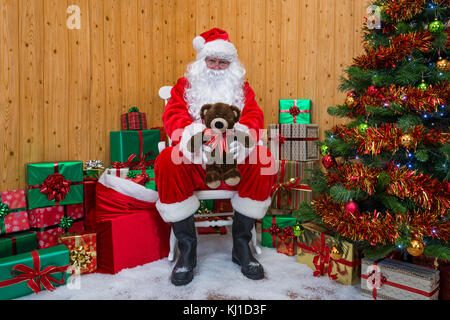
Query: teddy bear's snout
point(219, 124)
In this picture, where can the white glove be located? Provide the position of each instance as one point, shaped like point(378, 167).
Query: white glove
point(205, 150)
point(238, 150)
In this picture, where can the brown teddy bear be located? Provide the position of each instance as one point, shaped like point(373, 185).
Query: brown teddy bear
point(220, 166)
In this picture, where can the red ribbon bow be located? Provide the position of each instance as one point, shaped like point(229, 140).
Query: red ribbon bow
point(217, 139)
point(34, 276)
point(274, 229)
point(294, 111)
point(55, 187)
point(322, 257)
point(286, 232)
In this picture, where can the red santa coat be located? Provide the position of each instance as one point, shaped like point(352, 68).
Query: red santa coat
point(177, 182)
point(176, 117)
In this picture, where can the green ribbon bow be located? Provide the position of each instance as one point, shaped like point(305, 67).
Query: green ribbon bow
point(66, 222)
point(134, 109)
point(131, 175)
point(4, 209)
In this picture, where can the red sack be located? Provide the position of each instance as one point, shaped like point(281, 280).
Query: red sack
point(130, 231)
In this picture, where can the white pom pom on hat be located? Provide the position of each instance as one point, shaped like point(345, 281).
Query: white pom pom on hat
point(199, 43)
point(214, 42)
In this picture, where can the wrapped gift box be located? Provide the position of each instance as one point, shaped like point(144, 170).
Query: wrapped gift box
point(398, 280)
point(318, 250)
point(52, 184)
point(134, 120)
point(92, 174)
point(89, 203)
point(140, 143)
point(47, 222)
point(272, 226)
point(295, 111)
point(13, 211)
point(82, 250)
point(287, 242)
point(295, 142)
point(222, 206)
point(288, 192)
point(118, 172)
point(131, 240)
point(25, 273)
point(279, 212)
point(15, 243)
point(134, 175)
point(444, 269)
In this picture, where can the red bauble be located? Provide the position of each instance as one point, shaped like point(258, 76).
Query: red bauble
point(328, 161)
point(351, 207)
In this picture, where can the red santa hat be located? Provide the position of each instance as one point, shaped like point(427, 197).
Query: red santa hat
point(214, 43)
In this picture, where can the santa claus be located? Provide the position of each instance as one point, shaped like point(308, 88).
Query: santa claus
point(216, 76)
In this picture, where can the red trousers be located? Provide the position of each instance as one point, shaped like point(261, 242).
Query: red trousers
point(176, 183)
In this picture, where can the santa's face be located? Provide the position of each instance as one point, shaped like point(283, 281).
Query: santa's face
point(216, 63)
point(214, 80)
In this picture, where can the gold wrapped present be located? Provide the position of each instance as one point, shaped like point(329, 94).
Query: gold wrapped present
point(316, 248)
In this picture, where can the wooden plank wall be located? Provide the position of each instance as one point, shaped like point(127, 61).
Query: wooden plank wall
point(62, 91)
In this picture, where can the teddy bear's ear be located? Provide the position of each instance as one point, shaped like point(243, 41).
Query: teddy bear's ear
point(236, 111)
point(204, 110)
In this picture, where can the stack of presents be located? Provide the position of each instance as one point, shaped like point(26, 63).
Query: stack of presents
point(75, 218)
point(293, 142)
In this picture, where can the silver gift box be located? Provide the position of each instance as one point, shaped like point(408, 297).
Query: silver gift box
point(399, 280)
point(299, 141)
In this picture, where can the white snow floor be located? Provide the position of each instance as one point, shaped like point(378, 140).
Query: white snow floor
point(215, 278)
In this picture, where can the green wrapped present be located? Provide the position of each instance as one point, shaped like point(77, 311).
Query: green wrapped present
point(54, 183)
point(15, 243)
point(143, 144)
point(147, 181)
point(295, 111)
point(206, 207)
point(33, 271)
point(274, 225)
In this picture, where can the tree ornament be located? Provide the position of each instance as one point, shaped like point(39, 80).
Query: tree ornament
point(406, 140)
point(298, 230)
point(350, 101)
point(328, 161)
point(436, 26)
point(335, 254)
point(422, 86)
point(416, 247)
point(443, 65)
point(362, 128)
point(324, 150)
point(351, 207)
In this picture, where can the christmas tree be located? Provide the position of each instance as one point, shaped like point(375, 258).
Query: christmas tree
point(385, 184)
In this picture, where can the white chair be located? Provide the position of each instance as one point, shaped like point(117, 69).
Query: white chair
point(164, 93)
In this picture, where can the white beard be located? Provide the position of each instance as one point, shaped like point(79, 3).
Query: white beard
point(208, 86)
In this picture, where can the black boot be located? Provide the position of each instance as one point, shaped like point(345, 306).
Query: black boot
point(241, 254)
point(183, 272)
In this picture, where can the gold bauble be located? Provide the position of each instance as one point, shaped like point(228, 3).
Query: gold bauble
point(443, 65)
point(406, 140)
point(416, 247)
point(350, 101)
point(335, 254)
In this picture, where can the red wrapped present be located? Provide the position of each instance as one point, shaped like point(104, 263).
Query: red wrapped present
point(222, 206)
point(51, 222)
point(89, 204)
point(134, 120)
point(82, 250)
point(287, 242)
point(130, 231)
point(13, 211)
point(212, 230)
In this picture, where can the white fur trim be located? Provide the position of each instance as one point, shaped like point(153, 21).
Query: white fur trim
point(188, 132)
point(198, 43)
point(174, 212)
point(129, 188)
point(219, 49)
point(241, 127)
point(250, 208)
